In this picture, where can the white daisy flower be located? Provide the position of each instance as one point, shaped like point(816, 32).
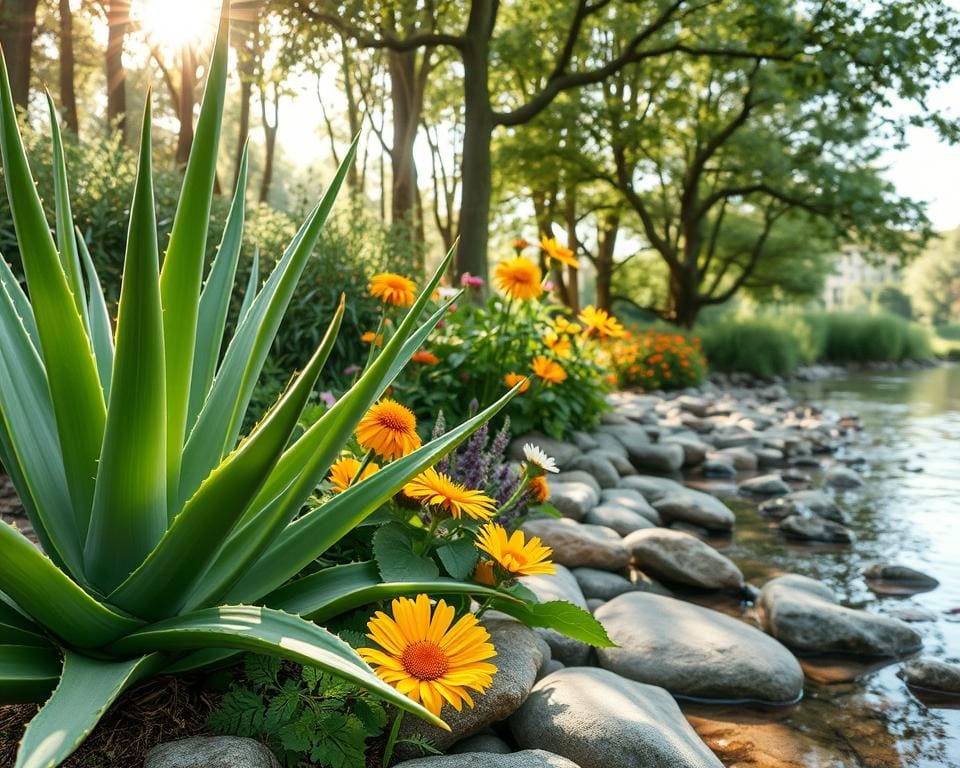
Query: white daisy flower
point(538, 457)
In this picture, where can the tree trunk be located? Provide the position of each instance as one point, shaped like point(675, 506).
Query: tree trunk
point(118, 21)
point(354, 118)
point(269, 139)
point(188, 98)
point(684, 297)
point(606, 242)
point(477, 137)
point(406, 120)
point(243, 130)
point(17, 21)
point(68, 93)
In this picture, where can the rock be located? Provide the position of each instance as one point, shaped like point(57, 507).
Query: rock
point(482, 742)
point(620, 519)
point(737, 438)
point(932, 675)
point(696, 652)
point(211, 752)
point(768, 457)
point(843, 477)
point(743, 458)
point(696, 508)
point(804, 502)
point(650, 487)
point(900, 574)
point(657, 457)
point(593, 603)
point(765, 485)
point(519, 657)
point(600, 720)
point(792, 475)
point(719, 468)
point(562, 452)
point(599, 467)
point(575, 544)
point(698, 406)
point(552, 666)
point(619, 460)
point(678, 557)
point(816, 528)
point(631, 436)
point(576, 476)
point(609, 443)
point(572, 500)
point(560, 586)
point(643, 583)
point(803, 614)
point(632, 500)
point(694, 451)
point(584, 441)
point(531, 758)
point(602, 585)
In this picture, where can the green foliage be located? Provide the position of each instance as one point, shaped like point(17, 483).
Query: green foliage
point(305, 715)
point(933, 280)
point(950, 331)
point(853, 337)
point(762, 347)
point(891, 300)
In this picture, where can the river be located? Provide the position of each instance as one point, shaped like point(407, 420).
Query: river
point(909, 513)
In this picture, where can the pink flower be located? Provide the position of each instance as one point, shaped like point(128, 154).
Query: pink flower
point(328, 399)
point(350, 370)
point(469, 281)
point(548, 285)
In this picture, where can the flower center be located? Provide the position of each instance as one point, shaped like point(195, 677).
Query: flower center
point(425, 660)
point(394, 422)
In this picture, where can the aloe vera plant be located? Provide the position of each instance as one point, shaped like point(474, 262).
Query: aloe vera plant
point(168, 542)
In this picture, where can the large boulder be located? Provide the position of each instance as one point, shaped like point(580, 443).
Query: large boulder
point(696, 652)
point(657, 457)
point(601, 720)
point(650, 487)
point(530, 758)
point(575, 544)
point(815, 528)
point(519, 657)
point(694, 451)
point(620, 519)
point(678, 557)
point(932, 675)
point(631, 436)
point(560, 586)
point(898, 579)
point(576, 476)
point(598, 467)
point(765, 485)
point(211, 752)
point(803, 614)
point(632, 500)
point(696, 508)
point(619, 460)
point(572, 500)
point(562, 452)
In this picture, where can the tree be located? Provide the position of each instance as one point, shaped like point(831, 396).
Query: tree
point(933, 280)
point(118, 24)
point(68, 91)
point(17, 21)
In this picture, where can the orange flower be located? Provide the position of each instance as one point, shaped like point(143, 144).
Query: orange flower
point(393, 289)
point(343, 472)
point(539, 489)
point(519, 278)
point(548, 370)
point(483, 573)
point(436, 489)
point(512, 379)
point(389, 429)
point(424, 357)
point(519, 244)
point(557, 252)
point(369, 336)
point(600, 321)
point(559, 345)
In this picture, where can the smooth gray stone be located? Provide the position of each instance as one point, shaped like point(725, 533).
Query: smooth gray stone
point(815, 528)
point(572, 500)
point(576, 476)
point(482, 742)
point(803, 614)
point(900, 574)
point(657, 457)
point(211, 752)
point(650, 487)
point(584, 441)
point(601, 585)
point(765, 485)
point(932, 674)
point(576, 544)
point(598, 467)
point(696, 508)
point(608, 442)
point(768, 457)
point(843, 477)
point(560, 586)
point(694, 451)
point(601, 720)
point(620, 462)
point(620, 519)
point(696, 652)
point(678, 557)
point(632, 500)
point(719, 468)
point(532, 758)
point(631, 436)
point(743, 458)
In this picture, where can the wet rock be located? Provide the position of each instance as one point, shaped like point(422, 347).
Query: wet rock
point(743, 459)
point(719, 468)
point(598, 467)
point(657, 457)
point(601, 585)
point(575, 544)
point(563, 452)
point(560, 586)
point(531, 758)
point(573, 500)
point(632, 500)
point(601, 720)
point(694, 451)
point(576, 476)
point(932, 675)
point(696, 508)
point(898, 579)
point(803, 614)
point(737, 439)
point(816, 528)
point(482, 742)
point(695, 652)
point(678, 557)
point(764, 485)
point(768, 457)
point(843, 477)
point(792, 475)
point(620, 519)
point(818, 503)
point(211, 752)
point(911, 614)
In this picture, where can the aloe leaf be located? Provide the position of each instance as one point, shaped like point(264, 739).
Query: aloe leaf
point(31, 447)
point(162, 584)
point(86, 690)
point(66, 238)
point(101, 333)
point(68, 359)
point(271, 632)
point(215, 298)
point(183, 263)
point(309, 536)
point(130, 505)
point(27, 673)
point(52, 599)
point(253, 283)
point(221, 418)
point(20, 301)
point(17, 629)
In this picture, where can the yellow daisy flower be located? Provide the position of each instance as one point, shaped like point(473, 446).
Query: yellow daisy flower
point(559, 345)
point(519, 278)
point(393, 289)
point(513, 553)
point(565, 326)
point(548, 370)
point(438, 490)
point(425, 658)
point(557, 252)
point(389, 430)
point(344, 470)
point(602, 322)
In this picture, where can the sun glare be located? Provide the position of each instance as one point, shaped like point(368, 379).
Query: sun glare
point(175, 24)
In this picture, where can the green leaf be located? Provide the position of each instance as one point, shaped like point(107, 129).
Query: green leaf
point(101, 334)
point(27, 673)
point(87, 689)
point(68, 359)
point(215, 298)
point(161, 585)
point(263, 630)
point(459, 558)
point(17, 629)
point(183, 263)
point(567, 618)
point(130, 504)
point(20, 302)
point(394, 547)
point(253, 284)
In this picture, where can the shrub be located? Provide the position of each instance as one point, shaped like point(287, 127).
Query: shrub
point(852, 337)
point(761, 347)
point(656, 359)
point(950, 331)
